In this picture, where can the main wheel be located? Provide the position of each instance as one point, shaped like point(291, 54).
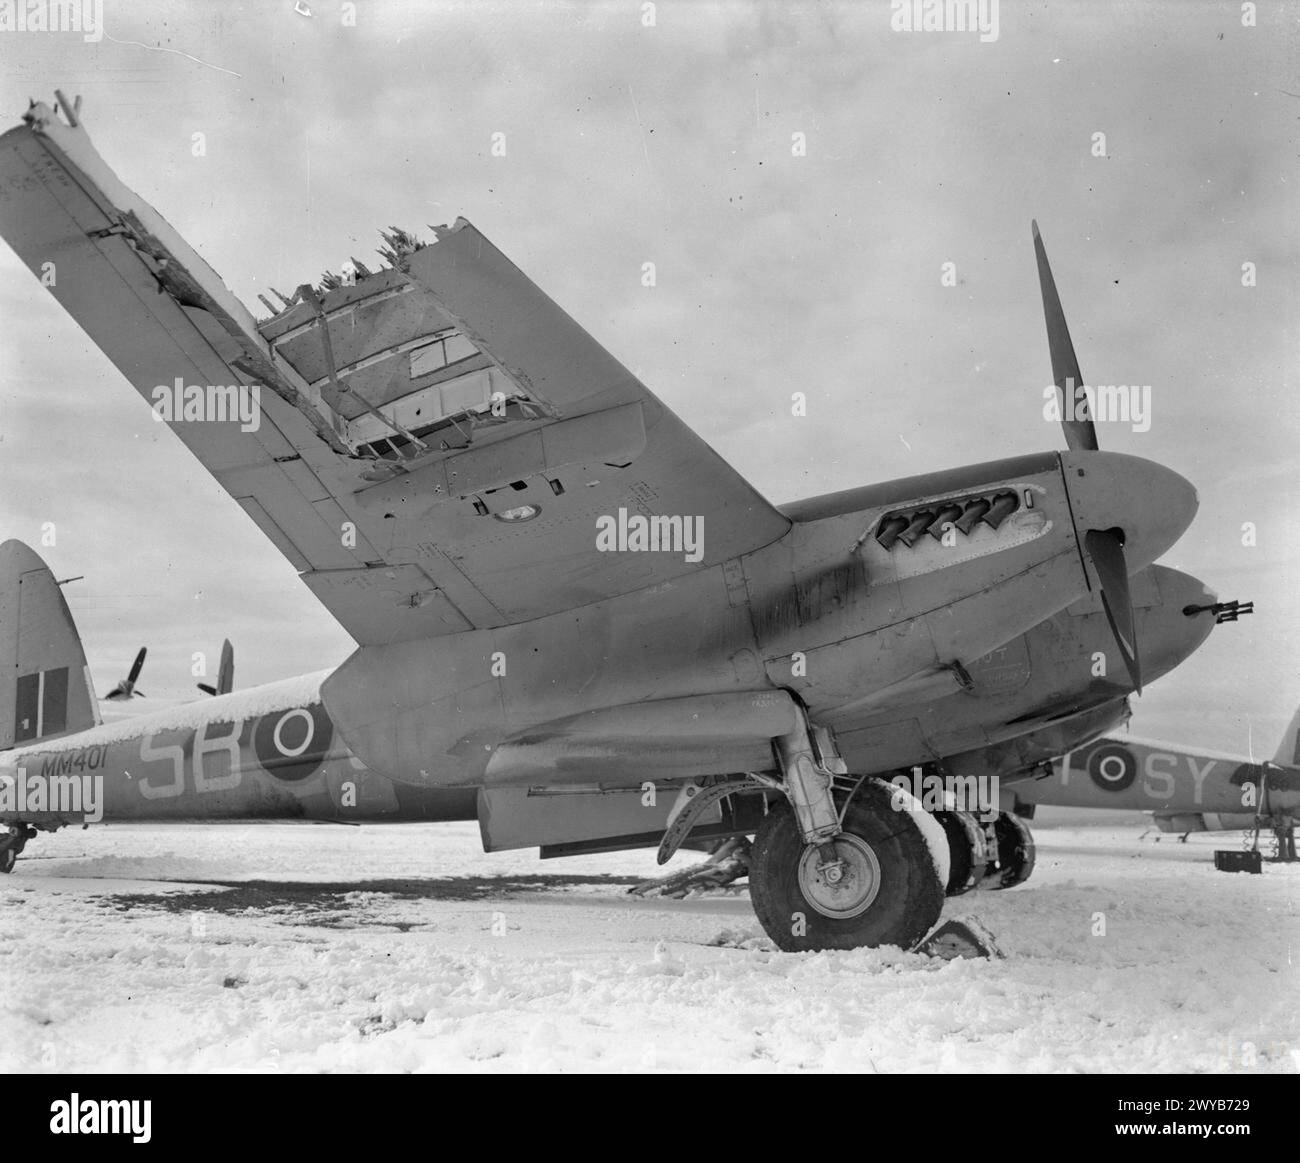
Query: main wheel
point(967, 851)
point(1015, 851)
point(8, 858)
point(890, 886)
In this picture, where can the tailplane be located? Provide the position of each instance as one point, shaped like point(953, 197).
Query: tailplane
point(44, 682)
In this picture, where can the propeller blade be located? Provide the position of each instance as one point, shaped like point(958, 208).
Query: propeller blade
point(1080, 435)
point(226, 670)
point(136, 665)
point(206, 689)
point(1106, 549)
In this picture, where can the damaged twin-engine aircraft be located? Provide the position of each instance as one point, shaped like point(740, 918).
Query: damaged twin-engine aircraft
point(440, 448)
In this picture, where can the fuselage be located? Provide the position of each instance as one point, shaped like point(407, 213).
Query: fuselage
point(410, 731)
point(1129, 772)
point(268, 752)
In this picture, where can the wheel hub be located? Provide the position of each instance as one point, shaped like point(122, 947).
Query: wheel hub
point(844, 887)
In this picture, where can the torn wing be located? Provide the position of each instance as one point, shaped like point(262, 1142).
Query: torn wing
point(435, 441)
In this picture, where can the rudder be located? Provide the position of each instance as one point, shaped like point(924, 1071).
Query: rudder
point(44, 682)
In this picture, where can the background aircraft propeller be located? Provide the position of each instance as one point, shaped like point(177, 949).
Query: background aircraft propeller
point(126, 688)
point(1104, 546)
point(225, 673)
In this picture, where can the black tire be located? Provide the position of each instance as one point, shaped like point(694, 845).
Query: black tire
point(907, 901)
point(1015, 851)
point(8, 858)
point(967, 852)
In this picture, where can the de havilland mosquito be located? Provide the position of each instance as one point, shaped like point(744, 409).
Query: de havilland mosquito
point(471, 485)
point(1185, 788)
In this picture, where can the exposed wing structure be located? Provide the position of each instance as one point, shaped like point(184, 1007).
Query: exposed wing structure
point(404, 418)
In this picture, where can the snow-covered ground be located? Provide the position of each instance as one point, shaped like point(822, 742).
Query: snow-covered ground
point(310, 948)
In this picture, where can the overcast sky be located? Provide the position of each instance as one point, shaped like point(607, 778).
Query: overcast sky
point(821, 273)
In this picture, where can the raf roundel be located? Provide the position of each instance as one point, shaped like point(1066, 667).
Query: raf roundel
point(1112, 767)
point(292, 744)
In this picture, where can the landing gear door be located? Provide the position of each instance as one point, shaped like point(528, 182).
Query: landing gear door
point(537, 817)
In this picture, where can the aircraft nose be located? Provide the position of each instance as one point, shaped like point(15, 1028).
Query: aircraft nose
point(1167, 635)
point(1152, 504)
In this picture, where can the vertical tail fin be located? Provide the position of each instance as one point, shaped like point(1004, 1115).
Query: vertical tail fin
point(44, 683)
point(1288, 751)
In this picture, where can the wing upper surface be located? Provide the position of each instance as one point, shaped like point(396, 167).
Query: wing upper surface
point(401, 415)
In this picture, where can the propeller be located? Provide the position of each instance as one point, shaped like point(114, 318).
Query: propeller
point(225, 673)
point(1105, 547)
point(1080, 435)
point(126, 687)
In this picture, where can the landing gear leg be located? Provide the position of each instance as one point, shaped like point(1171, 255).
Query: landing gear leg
point(838, 870)
point(12, 844)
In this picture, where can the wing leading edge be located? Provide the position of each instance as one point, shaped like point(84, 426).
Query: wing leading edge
point(402, 415)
